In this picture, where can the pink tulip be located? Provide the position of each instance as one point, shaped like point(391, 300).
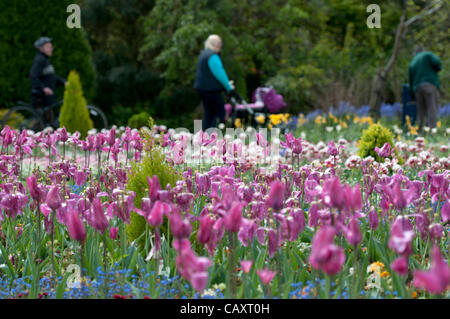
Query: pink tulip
point(325, 255)
point(246, 265)
point(266, 275)
point(233, 219)
point(204, 234)
point(401, 237)
point(99, 220)
point(353, 233)
point(445, 211)
point(276, 196)
point(75, 226)
point(353, 198)
point(113, 231)
point(437, 278)
point(180, 227)
point(332, 150)
point(385, 151)
point(373, 219)
point(192, 268)
point(35, 191)
point(53, 199)
point(155, 217)
point(400, 265)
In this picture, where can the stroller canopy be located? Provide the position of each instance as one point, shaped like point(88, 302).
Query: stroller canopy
point(270, 98)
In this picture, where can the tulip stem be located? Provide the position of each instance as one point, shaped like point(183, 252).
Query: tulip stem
point(81, 269)
point(231, 262)
point(328, 290)
point(105, 266)
point(53, 245)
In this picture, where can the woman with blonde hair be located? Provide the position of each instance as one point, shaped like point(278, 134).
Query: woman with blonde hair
point(210, 80)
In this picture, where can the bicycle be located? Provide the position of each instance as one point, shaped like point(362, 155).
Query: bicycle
point(24, 116)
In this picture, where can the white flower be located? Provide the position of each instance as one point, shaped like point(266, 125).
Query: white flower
point(221, 126)
point(426, 129)
point(303, 135)
point(447, 130)
point(338, 128)
point(434, 130)
point(329, 129)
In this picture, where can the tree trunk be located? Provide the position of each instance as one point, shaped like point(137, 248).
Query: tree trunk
point(379, 82)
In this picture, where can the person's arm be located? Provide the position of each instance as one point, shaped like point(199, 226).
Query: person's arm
point(411, 83)
point(435, 62)
point(35, 73)
point(59, 80)
point(216, 67)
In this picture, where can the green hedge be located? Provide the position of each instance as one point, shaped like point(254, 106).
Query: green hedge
point(21, 24)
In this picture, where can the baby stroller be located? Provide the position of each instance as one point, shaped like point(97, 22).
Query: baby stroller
point(265, 101)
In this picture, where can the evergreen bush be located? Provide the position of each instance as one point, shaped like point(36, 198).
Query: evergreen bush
point(375, 136)
point(74, 113)
point(152, 163)
point(138, 120)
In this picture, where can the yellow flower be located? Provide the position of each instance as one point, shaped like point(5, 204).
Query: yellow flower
point(318, 120)
point(237, 122)
point(260, 119)
point(376, 267)
point(413, 130)
point(347, 117)
point(275, 119)
point(356, 120)
point(385, 274)
point(269, 126)
point(438, 124)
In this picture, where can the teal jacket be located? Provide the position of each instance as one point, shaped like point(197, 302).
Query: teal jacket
point(424, 67)
point(216, 67)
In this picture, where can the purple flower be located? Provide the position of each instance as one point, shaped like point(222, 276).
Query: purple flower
point(400, 265)
point(99, 220)
point(266, 275)
point(276, 195)
point(75, 226)
point(53, 199)
point(437, 278)
point(385, 151)
point(180, 227)
point(233, 219)
point(374, 220)
point(401, 237)
point(325, 255)
point(205, 228)
point(353, 233)
point(246, 265)
point(332, 149)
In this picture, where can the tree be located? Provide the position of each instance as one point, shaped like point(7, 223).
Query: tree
point(380, 78)
point(74, 113)
point(21, 24)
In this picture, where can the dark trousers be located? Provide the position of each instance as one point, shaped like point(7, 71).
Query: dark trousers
point(39, 101)
point(213, 107)
point(427, 99)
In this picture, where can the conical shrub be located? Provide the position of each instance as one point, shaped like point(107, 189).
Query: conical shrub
point(74, 113)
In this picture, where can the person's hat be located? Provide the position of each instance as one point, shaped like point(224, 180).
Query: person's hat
point(41, 41)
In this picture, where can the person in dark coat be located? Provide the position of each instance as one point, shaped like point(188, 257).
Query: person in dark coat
point(425, 86)
point(210, 81)
point(43, 77)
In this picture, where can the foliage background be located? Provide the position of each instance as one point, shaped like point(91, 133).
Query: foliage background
point(316, 53)
point(22, 22)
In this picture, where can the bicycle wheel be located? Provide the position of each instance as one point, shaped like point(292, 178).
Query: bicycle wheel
point(98, 117)
point(22, 118)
